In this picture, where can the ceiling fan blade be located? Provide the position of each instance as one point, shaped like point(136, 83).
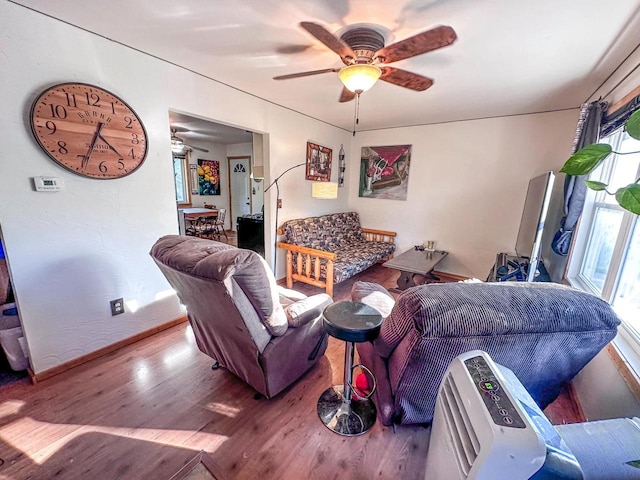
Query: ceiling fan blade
point(346, 95)
point(197, 148)
point(306, 74)
point(329, 39)
point(405, 79)
point(418, 44)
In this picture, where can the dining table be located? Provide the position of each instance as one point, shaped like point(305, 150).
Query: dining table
point(187, 215)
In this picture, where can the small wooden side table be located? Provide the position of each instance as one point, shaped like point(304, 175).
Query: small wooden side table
point(415, 262)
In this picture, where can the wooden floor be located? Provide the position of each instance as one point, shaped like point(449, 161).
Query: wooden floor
point(144, 411)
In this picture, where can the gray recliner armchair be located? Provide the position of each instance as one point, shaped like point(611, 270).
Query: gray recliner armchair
point(265, 334)
point(545, 333)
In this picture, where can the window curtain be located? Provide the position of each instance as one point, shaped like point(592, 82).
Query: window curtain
point(575, 190)
point(617, 119)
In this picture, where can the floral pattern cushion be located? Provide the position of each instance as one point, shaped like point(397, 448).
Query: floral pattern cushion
point(358, 256)
point(327, 232)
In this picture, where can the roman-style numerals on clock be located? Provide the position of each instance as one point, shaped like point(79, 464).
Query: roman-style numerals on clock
point(89, 131)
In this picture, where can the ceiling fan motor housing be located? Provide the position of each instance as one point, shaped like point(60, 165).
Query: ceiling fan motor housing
point(364, 42)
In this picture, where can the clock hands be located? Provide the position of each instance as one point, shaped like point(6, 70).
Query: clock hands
point(85, 160)
point(109, 145)
point(97, 135)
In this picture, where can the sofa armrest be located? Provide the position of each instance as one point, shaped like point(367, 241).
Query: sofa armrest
point(373, 235)
point(306, 250)
point(303, 311)
point(307, 266)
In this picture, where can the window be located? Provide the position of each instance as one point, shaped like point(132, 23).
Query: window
point(606, 258)
point(181, 172)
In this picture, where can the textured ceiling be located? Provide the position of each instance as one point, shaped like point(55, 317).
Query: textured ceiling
point(511, 56)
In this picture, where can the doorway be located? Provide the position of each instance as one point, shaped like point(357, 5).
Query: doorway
point(205, 143)
point(240, 196)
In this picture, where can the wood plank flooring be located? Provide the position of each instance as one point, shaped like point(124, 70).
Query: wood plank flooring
point(144, 411)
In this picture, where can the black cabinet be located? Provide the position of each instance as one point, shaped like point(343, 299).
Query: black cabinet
point(251, 232)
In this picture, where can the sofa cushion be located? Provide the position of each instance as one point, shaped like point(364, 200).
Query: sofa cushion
point(357, 256)
point(326, 232)
point(457, 310)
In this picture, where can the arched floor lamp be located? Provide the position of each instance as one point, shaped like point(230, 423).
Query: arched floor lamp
point(326, 190)
point(275, 182)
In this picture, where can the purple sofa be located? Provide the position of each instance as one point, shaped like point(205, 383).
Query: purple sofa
point(266, 335)
point(546, 333)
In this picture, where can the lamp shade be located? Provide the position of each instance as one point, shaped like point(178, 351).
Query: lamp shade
point(324, 190)
point(359, 77)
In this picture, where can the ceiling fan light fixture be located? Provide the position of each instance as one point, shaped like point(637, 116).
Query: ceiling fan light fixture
point(359, 77)
point(177, 145)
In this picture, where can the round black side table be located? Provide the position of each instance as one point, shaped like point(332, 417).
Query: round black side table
point(351, 322)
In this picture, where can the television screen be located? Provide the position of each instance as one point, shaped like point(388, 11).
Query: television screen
point(532, 223)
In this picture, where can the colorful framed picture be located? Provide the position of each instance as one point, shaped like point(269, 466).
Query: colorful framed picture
point(318, 163)
point(384, 172)
point(209, 177)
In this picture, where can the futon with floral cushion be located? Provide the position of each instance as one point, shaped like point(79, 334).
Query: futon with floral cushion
point(328, 249)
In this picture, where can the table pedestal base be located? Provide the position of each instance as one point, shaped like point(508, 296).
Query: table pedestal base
point(342, 417)
point(410, 279)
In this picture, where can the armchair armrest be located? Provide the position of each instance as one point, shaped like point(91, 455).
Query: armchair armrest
point(373, 235)
point(303, 311)
point(307, 266)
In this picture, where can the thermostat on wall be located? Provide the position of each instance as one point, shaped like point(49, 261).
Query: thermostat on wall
point(47, 184)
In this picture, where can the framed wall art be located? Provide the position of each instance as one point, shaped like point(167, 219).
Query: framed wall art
point(318, 163)
point(384, 172)
point(209, 177)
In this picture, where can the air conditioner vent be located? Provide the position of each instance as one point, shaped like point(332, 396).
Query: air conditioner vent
point(466, 444)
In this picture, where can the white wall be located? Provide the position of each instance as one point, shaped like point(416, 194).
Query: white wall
point(467, 183)
point(240, 150)
point(71, 252)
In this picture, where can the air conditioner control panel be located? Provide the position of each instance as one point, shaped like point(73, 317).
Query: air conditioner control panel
point(498, 404)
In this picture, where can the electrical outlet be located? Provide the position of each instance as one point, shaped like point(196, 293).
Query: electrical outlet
point(117, 306)
point(279, 203)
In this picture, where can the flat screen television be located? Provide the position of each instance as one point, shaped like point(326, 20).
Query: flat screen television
point(536, 204)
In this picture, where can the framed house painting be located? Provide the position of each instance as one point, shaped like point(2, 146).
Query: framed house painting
point(318, 163)
point(384, 172)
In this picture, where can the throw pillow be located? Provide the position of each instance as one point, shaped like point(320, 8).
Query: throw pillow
point(374, 295)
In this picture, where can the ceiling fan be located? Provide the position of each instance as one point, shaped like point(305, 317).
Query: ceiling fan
point(362, 50)
point(178, 145)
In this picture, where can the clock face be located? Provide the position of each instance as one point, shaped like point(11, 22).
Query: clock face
point(89, 131)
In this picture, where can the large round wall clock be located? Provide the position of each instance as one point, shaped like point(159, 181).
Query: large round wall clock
point(89, 130)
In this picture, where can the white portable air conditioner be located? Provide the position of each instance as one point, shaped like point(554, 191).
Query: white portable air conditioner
point(487, 426)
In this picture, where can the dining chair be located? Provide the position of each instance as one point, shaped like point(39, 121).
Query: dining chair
point(219, 223)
